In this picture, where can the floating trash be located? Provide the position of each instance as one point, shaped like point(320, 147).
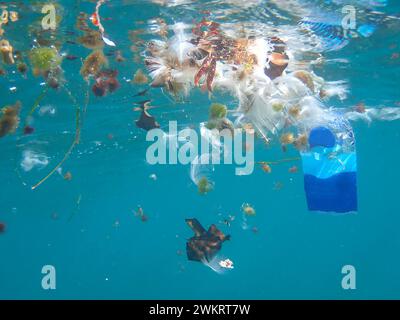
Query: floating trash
point(32, 159)
point(204, 245)
point(146, 121)
point(95, 18)
point(227, 264)
point(201, 171)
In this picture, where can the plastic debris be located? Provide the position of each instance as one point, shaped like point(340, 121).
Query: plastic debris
point(96, 20)
point(205, 244)
point(227, 264)
point(146, 121)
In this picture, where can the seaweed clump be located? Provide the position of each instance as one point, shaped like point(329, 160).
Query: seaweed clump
point(91, 39)
point(218, 111)
point(106, 81)
point(9, 120)
point(140, 77)
point(217, 118)
point(7, 52)
point(204, 186)
point(44, 60)
point(248, 210)
point(93, 64)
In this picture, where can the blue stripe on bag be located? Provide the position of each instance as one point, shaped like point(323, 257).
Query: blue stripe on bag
point(330, 175)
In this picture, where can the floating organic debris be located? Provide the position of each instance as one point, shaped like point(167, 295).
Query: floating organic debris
point(22, 68)
point(105, 82)
point(306, 78)
point(81, 22)
point(277, 106)
point(9, 120)
point(293, 169)
point(14, 17)
point(28, 130)
point(140, 77)
point(218, 111)
point(44, 59)
point(119, 57)
point(68, 176)
point(294, 111)
point(7, 52)
point(2, 227)
point(248, 210)
point(266, 167)
point(204, 245)
point(146, 121)
point(93, 64)
point(140, 213)
point(92, 40)
point(217, 118)
point(54, 77)
point(204, 186)
point(301, 142)
point(287, 138)
point(201, 172)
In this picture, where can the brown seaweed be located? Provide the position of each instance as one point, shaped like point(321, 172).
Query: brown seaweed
point(140, 77)
point(93, 64)
point(7, 52)
point(91, 39)
point(9, 120)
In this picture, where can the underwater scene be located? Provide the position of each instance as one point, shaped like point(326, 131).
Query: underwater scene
point(211, 149)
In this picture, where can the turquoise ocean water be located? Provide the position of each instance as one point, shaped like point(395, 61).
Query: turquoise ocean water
point(86, 227)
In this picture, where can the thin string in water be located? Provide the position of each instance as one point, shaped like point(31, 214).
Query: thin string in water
point(74, 143)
